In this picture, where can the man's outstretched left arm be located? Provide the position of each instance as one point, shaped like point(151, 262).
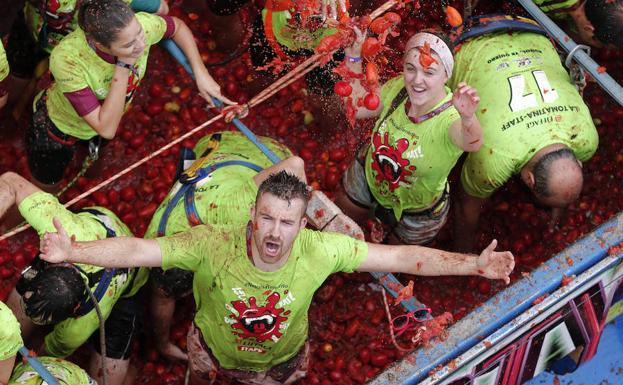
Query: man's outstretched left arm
point(419, 260)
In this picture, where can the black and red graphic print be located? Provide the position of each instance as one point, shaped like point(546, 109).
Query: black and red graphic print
point(388, 161)
point(259, 322)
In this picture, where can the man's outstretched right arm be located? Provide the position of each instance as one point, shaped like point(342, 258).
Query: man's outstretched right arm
point(111, 252)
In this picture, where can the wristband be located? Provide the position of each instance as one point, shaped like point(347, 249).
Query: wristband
point(352, 59)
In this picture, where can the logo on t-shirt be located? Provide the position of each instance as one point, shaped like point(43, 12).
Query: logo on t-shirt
point(133, 81)
point(388, 161)
point(261, 323)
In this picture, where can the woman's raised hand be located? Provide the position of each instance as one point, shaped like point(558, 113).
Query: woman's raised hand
point(465, 99)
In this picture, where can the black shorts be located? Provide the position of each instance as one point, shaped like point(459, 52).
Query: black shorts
point(175, 283)
point(121, 326)
point(47, 158)
point(320, 80)
point(225, 7)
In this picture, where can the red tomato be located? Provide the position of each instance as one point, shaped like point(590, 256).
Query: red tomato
point(128, 194)
point(371, 102)
point(379, 359)
point(371, 47)
point(453, 17)
point(156, 90)
point(343, 88)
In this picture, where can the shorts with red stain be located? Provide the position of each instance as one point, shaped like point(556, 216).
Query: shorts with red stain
point(205, 366)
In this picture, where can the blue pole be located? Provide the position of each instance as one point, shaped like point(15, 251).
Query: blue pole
point(177, 53)
point(390, 281)
point(39, 368)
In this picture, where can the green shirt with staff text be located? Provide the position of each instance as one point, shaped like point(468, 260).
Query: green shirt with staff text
point(252, 319)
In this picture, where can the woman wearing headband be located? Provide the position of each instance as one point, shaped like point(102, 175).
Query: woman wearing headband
point(401, 178)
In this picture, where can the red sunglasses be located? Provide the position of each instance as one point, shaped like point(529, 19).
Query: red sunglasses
point(406, 321)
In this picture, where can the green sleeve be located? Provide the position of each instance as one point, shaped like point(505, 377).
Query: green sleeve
point(586, 143)
point(10, 337)
point(344, 253)
point(556, 5)
point(65, 372)
point(485, 171)
point(39, 208)
point(185, 250)
point(150, 6)
point(154, 27)
point(4, 64)
point(66, 68)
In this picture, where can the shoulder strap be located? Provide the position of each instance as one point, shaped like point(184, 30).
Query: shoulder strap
point(480, 25)
point(397, 101)
point(102, 277)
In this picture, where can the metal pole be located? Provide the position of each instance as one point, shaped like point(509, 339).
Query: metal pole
point(584, 60)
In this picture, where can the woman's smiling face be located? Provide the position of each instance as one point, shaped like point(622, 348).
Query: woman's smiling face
point(130, 41)
point(425, 85)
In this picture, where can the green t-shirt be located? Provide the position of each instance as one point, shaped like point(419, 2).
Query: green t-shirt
point(251, 319)
point(63, 18)
point(65, 372)
point(527, 102)
point(38, 210)
point(4, 64)
point(408, 163)
point(76, 66)
point(555, 5)
point(226, 196)
point(294, 37)
point(10, 336)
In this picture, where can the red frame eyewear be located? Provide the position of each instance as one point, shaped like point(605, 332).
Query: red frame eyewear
point(404, 322)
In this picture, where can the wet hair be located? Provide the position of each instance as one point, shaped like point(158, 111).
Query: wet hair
point(607, 18)
point(175, 283)
point(285, 186)
point(541, 170)
point(102, 20)
point(53, 294)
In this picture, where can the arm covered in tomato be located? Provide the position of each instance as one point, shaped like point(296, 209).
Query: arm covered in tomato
point(354, 64)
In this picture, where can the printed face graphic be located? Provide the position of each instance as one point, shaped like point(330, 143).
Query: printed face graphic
point(388, 161)
point(259, 322)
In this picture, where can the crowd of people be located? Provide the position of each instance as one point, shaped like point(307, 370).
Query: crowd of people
point(234, 229)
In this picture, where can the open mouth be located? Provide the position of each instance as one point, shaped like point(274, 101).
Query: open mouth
point(272, 248)
point(418, 90)
point(258, 325)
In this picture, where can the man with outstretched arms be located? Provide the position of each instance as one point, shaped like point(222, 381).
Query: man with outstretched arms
point(217, 187)
point(57, 294)
point(254, 282)
point(535, 124)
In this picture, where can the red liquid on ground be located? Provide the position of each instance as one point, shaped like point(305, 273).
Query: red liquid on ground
point(348, 325)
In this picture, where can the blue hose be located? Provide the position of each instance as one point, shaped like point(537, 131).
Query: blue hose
point(38, 366)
